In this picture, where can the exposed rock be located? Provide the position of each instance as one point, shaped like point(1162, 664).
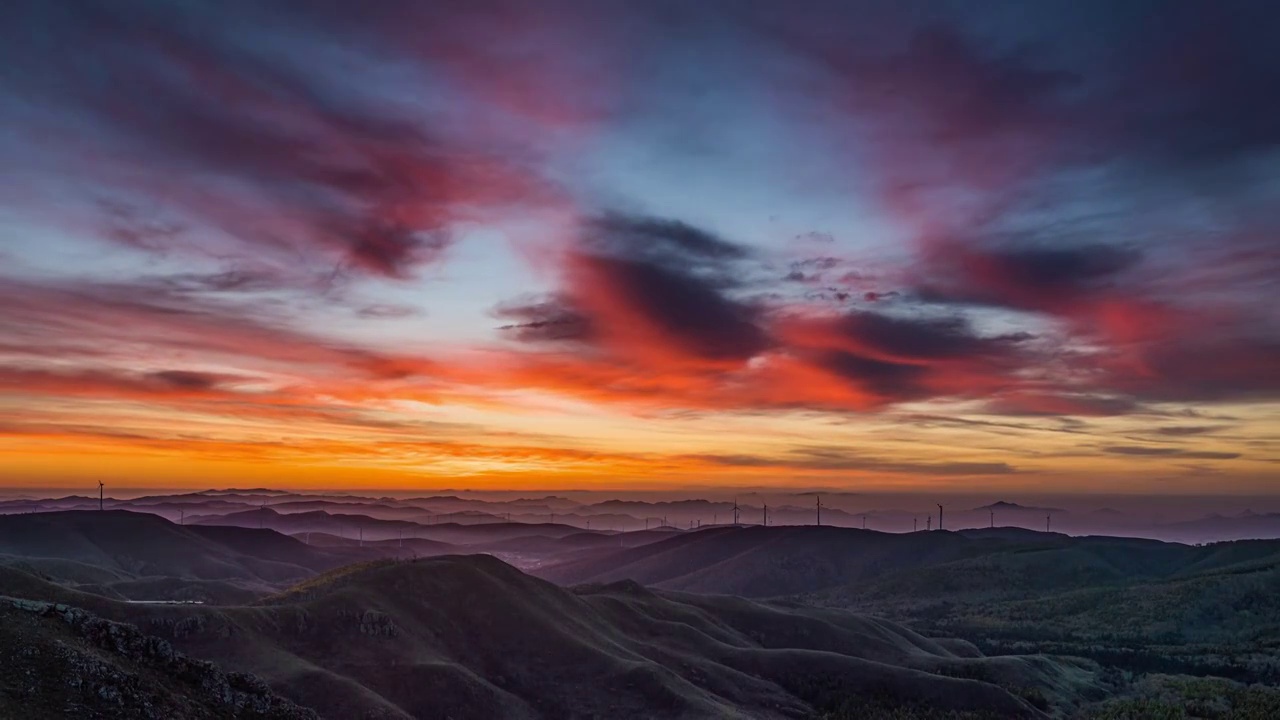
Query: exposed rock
point(69, 663)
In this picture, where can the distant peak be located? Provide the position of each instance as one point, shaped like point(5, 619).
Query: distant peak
point(1002, 505)
point(1005, 505)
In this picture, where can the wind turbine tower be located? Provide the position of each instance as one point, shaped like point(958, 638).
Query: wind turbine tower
point(766, 514)
point(993, 517)
point(100, 495)
point(915, 524)
point(939, 517)
point(818, 505)
point(735, 511)
point(928, 522)
point(1047, 520)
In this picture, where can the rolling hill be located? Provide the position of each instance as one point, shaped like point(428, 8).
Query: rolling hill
point(762, 562)
point(1140, 604)
point(789, 560)
point(471, 637)
point(121, 553)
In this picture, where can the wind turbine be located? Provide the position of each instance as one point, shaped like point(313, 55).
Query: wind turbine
point(735, 511)
point(766, 514)
point(818, 506)
point(864, 521)
point(1047, 520)
point(939, 517)
point(915, 524)
point(928, 522)
point(993, 516)
point(99, 495)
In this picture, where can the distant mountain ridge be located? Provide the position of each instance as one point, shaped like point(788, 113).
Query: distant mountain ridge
point(629, 515)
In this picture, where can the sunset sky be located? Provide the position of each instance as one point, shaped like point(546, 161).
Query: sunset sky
point(597, 244)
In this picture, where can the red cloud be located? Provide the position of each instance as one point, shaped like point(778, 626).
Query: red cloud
point(249, 155)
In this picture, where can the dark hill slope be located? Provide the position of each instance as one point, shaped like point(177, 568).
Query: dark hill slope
point(354, 526)
point(782, 561)
point(471, 534)
point(471, 637)
point(111, 551)
point(350, 525)
point(406, 548)
point(62, 662)
point(763, 562)
point(1142, 605)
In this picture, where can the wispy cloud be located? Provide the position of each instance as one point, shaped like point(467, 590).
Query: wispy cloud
point(318, 219)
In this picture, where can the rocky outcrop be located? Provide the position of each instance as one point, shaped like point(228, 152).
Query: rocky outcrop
point(70, 663)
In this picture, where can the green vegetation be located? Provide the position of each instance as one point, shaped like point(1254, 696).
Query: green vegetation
point(1213, 611)
point(1224, 624)
point(1165, 697)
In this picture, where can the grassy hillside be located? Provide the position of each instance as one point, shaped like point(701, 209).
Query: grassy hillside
point(1140, 604)
point(1172, 697)
point(471, 637)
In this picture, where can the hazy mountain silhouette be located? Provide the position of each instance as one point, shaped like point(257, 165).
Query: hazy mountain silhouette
point(630, 515)
point(1001, 505)
point(1241, 526)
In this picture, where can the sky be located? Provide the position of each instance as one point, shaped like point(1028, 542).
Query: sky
point(889, 246)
